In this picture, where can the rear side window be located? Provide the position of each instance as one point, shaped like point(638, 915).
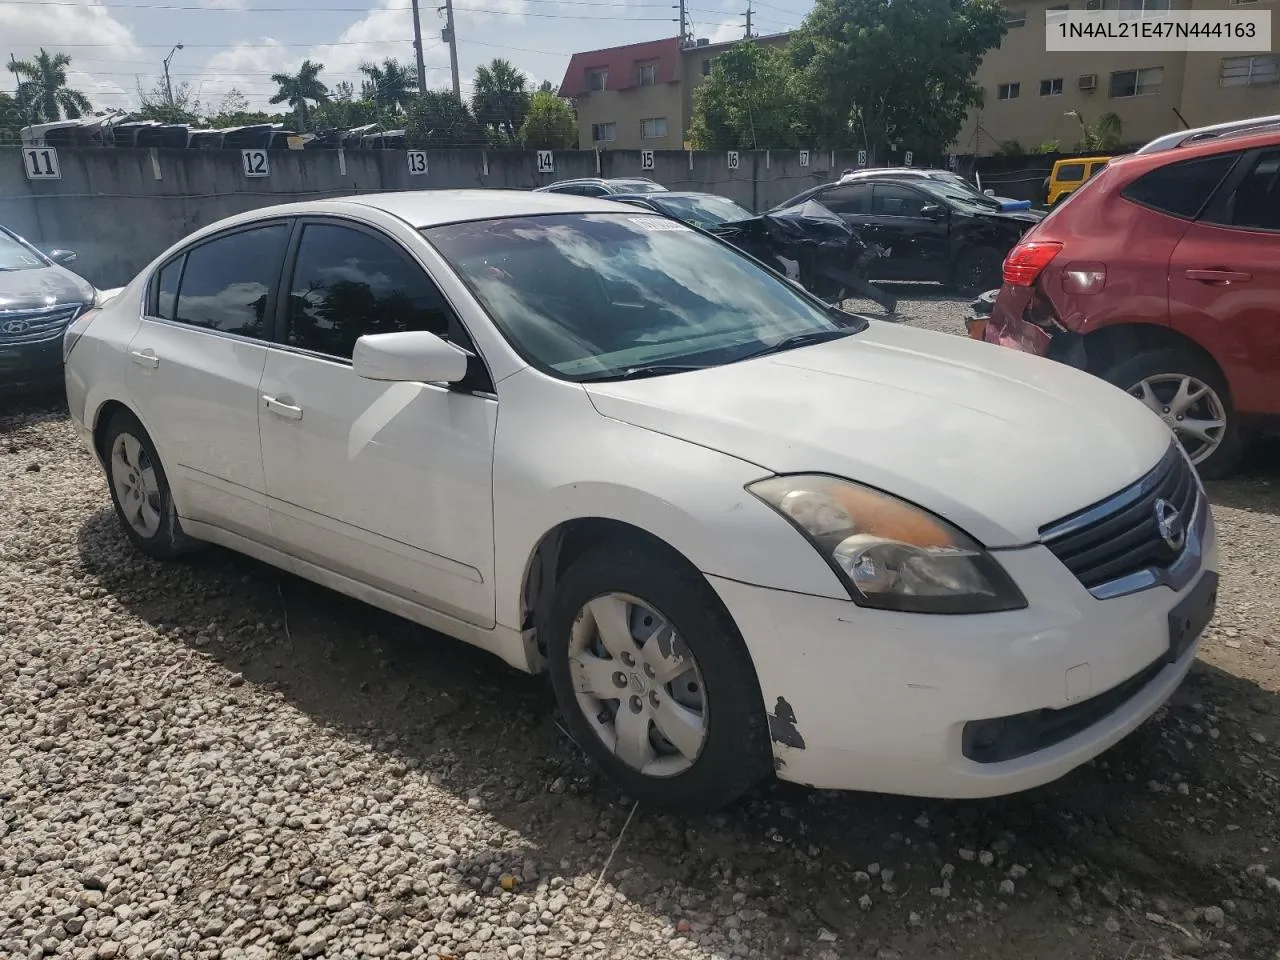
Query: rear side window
point(848, 199)
point(1255, 205)
point(227, 283)
point(167, 288)
point(348, 283)
point(1181, 189)
point(1070, 171)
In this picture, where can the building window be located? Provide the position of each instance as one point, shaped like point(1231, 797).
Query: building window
point(1136, 83)
point(1008, 91)
point(706, 66)
point(648, 74)
point(604, 132)
point(1015, 18)
point(654, 128)
point(1051, 88)
point(1134, 9)
point(1250, 71)
point(597, 79)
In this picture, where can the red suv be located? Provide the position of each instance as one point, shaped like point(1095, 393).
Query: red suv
point(1162, 275)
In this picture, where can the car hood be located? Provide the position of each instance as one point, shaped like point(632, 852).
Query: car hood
point(42, 287)
point(998, 442)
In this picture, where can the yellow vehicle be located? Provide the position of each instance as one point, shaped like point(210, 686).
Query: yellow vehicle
point(1068, 175)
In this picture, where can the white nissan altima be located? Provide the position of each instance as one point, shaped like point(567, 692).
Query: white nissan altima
point(743, 532)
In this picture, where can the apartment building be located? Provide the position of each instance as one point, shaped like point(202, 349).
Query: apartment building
point(1034, 97)
point(640, 96)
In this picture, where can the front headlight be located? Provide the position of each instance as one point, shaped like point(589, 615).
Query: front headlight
point(890, 554)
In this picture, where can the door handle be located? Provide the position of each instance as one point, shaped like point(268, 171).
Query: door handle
point(1219, 276)
point(282, 409)
point(145, 358)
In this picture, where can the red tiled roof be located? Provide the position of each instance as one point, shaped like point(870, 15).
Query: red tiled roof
point(623, 66)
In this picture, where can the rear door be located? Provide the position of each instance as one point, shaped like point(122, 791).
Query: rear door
point(917, 244)
point(852, 201)
point(196, 360)
point(1224, 281)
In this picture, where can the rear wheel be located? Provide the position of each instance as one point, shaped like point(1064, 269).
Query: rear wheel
point(1189, 394)
point(977, 270)
point(654, 681)
point(140, 491)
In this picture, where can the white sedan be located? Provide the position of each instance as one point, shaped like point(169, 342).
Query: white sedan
point(743, 532)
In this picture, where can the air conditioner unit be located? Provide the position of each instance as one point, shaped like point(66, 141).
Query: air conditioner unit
point(1095, 4)
point(1087, 81)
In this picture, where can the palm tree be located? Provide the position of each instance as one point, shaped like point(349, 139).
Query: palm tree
point(500, 97)
point(43, 93)
point(391, 86)
point(297, 89)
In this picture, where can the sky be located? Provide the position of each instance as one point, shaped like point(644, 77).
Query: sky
point(117, 45)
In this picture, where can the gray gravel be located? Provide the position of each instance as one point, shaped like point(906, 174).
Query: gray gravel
point(213, 760)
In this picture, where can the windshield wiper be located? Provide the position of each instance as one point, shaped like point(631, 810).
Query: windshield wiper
point(801, 340)
point(647, 370)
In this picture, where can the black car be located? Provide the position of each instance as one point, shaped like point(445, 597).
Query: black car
point(38, 298)
point(927, 230)
point(702, 210)
point(598, 187)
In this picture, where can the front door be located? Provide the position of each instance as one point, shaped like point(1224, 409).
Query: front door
point(195, 363)
point(389, 484)
point(1224, 281)
point(917, 242)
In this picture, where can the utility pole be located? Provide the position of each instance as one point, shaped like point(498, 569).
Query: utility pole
point(417, 49)
point(168, 87)
point(749, 20)
point(684, 22)
point(450, 37)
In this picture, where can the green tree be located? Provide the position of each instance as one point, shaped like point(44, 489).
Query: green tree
point(300, 89)
point(1103, 134)
point(500, 97)
point(546, 87)
point(878, 73)
point(549, 124)
point(155, 105)
point(391, 85)
point(439, 119)
point(11, 121)
point(343, 114)
point(43, 94)
point(747, 102)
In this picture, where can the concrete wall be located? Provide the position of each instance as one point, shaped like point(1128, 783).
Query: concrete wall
point(118, 209)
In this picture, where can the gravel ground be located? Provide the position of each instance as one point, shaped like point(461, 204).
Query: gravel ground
point(210, 759)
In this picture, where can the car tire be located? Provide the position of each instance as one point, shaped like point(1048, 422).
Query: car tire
point(140, 491)
point(1162, 371)
point(977, 270)
point(733, 753)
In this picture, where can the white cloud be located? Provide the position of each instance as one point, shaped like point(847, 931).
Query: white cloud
point(27, 28)
point(224, 4)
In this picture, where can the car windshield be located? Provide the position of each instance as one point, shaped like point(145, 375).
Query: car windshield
point(964, 195)
point(15, 255)
point(704, 211)
point(641, 186)
point(595, 296)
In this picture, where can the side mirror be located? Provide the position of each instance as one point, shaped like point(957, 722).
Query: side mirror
point(62, 257)
point(410, 357)
point(933, 211)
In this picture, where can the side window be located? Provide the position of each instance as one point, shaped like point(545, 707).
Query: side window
point(227, 283)
point(347, 283)
point(893, 200)
point(1180, 189)
point(1070, 172)
point(850, 198)
point(1255, 204)
point(167, 288)
point(592, 190)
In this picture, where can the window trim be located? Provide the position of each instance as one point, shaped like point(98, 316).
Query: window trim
point(1245, 162)
point(477, 381)
point(151, 304)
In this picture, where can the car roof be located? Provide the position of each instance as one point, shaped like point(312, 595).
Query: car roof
point(429, 208)
point(669, 194)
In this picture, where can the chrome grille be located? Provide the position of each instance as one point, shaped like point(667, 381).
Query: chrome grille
point(1120, 536)
point(33, 326)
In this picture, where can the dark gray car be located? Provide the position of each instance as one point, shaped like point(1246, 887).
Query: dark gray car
point(38, 298)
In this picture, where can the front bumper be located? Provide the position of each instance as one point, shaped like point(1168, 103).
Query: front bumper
point(31, 367)
point(863, 699)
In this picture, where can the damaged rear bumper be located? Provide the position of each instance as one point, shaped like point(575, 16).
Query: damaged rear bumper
point(1009, 327)
point(862, 699)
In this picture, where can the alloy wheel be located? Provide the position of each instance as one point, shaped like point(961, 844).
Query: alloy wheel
point(137, 489)
point(1191, 408)
point(638, 685)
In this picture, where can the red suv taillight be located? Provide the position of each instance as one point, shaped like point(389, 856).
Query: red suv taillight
point(1026, 261)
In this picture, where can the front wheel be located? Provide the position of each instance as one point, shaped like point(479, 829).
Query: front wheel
point(654, 681)
point(1189, 394)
